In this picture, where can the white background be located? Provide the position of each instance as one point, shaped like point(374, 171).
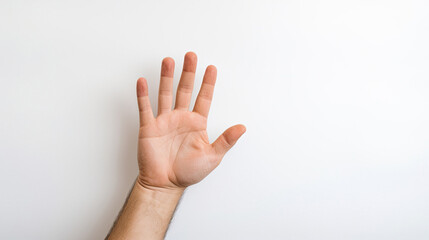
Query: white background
point(334, 94)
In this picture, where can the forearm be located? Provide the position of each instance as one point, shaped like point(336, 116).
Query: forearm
point(147, 213)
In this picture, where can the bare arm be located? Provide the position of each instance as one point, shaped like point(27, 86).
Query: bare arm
point(174, 151)
point(146, 213)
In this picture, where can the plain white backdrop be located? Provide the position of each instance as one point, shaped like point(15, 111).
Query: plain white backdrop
point(334, 95)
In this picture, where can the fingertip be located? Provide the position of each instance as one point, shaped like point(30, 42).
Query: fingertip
point(167, 68)
point(240, 130)
point(142, 87)
point(211, 69)
point(190, 62)
point(234, 133)
point(168, 59)
point(191, 56)
point(243, 128)
point(210, 75)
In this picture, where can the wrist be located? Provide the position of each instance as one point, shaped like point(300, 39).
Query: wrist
point(160, 186)
point(167, 191)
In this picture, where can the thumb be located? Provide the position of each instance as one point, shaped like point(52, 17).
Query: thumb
point(228, 138)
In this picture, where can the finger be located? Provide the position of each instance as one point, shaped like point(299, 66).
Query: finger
point(186, 84)
point(165, 94)
point(228, 138)
point(204, 98)
point(145, 110)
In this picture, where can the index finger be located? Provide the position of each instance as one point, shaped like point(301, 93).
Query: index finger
point(205, 96)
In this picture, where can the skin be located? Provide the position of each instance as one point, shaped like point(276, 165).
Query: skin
point(174, 151)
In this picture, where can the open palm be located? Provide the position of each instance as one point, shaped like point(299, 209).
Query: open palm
point(174, 149)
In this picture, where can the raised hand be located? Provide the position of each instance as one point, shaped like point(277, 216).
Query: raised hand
point(174, 150)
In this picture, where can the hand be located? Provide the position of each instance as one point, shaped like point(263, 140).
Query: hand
point(173, 149)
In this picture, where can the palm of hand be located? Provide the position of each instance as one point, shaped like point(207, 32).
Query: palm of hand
point(174, 149)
